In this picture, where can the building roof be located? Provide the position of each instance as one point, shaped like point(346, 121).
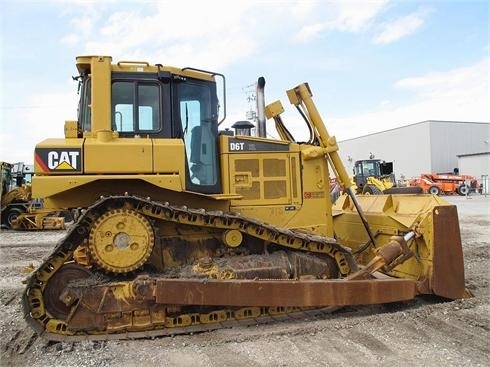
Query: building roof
point(472, 154)
point(418, 123)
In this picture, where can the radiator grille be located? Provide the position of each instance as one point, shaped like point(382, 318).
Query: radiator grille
point(248, 165)
point(264, 179)
point(274, 167)
point(274, 189)
point(250, 193)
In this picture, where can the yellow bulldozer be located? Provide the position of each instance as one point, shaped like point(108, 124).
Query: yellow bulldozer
point(188, 226)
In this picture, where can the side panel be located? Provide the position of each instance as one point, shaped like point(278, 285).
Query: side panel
point(84, 190)
point(316, 210)
point(123, 155)
point(277, 186)
point(259, 170)
point(169, 157)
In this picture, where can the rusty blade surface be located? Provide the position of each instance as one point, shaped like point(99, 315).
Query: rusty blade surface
point(302, 293)
point(448, 265)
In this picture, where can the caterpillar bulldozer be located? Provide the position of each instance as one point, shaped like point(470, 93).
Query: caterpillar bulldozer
point(189, 227)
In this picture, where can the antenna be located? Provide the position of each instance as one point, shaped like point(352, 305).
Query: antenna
point(251, 98)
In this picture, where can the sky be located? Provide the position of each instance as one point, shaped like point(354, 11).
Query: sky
point(371, 65)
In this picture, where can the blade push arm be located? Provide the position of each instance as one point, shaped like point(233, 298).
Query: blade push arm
point(301, 97)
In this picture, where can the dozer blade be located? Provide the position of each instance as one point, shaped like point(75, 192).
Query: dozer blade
point(448, 267)
point(437, 261)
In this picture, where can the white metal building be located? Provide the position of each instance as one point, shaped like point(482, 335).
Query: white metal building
point(426, 147)
point(477, 162)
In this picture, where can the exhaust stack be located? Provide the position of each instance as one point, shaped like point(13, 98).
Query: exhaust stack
point(261, 108)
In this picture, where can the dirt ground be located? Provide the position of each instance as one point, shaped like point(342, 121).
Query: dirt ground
point(422, 332)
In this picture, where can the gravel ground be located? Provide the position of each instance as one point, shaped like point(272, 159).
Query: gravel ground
point(422, 332)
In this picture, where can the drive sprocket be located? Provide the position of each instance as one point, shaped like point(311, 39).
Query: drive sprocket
point(121, 240)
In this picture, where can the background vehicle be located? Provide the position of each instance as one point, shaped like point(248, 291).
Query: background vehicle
point(190, 228)
point(18, 209)
point(375, 177)
point(447, 183)
point(16, 195)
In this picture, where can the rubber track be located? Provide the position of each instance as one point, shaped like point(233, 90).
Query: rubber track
point(211, 219)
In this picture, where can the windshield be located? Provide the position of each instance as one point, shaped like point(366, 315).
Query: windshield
point(367, 168)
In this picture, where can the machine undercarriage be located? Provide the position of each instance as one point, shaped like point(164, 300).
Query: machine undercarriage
point(131, 267)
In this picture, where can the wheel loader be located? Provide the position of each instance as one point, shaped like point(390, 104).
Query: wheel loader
point(188, 226)
point(376, 177)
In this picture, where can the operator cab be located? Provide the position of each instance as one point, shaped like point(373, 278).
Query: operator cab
point(164, 105)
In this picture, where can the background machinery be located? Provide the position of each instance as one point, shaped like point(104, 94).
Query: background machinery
point(18, 209)
point(447, 183)
point(16, 195)
point(189, 227)
point(376, 177)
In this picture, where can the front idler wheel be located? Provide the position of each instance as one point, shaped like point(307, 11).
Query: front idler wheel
point(56, 286)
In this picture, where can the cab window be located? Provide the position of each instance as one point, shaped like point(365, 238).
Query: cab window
point(84, 115)
point(135, 107)
point(198, 109)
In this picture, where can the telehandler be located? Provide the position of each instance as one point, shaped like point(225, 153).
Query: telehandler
point(190, 227)
point(447, 183)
